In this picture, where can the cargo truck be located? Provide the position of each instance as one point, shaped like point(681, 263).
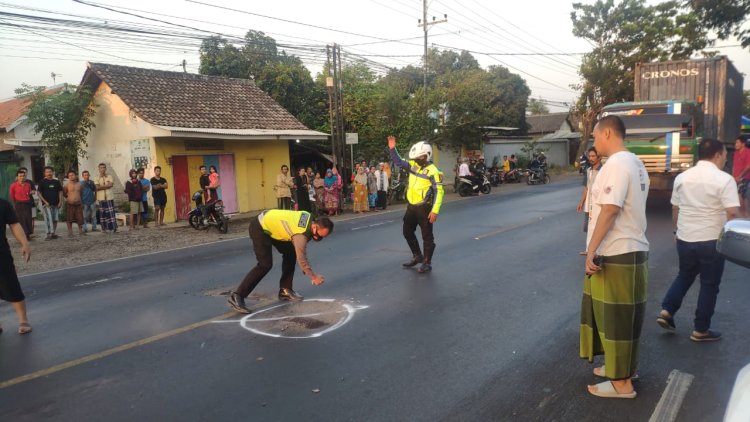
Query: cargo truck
point(677, 104)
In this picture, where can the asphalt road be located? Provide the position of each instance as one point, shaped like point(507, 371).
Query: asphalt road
point(490, 334)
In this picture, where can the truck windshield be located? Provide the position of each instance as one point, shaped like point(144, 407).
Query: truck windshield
point(656, 126)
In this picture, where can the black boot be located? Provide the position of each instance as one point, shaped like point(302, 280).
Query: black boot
point(417, 259)
point(290, 295)
point(237, 303)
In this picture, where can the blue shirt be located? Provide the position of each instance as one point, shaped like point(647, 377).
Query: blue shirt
point(88, 192)
point(145, 182)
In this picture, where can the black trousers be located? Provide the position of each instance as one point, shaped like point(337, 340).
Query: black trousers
point(382, 200)
point(418, 215)
point(284, 203)
point(262, 247)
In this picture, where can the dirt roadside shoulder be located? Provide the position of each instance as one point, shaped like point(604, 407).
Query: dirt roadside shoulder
point(97, 247)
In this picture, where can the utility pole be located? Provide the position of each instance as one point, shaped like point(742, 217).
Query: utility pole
point(184, 65)
point(425, 25)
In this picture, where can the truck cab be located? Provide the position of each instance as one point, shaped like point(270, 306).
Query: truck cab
point(663, 134)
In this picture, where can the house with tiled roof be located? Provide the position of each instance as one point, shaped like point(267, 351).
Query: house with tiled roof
point(179, 121)
point(20, 145)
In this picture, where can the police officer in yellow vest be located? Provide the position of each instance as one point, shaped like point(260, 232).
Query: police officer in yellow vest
point(425, 196)
point(288, 232)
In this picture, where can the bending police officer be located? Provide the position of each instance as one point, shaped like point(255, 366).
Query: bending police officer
point(424, 196)
point(289, 232)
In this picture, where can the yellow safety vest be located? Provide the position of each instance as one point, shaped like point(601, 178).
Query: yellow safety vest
point(425, 183)
point(283, 224)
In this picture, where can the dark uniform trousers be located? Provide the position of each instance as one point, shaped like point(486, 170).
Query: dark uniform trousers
point(418, 215)
point(262, 243)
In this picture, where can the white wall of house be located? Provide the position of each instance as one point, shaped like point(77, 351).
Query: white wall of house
point(557, 150)
point(445, 159)
point(109, 142)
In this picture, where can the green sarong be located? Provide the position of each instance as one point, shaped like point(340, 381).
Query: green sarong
point(612, 311)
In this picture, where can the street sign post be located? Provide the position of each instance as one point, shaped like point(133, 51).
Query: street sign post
point(351, 140)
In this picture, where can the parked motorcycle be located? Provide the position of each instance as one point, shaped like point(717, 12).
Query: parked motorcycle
point(495, 177)
point(397, 191)
point(468, 186)
point(214, 214)
point(513, 176)
point(537, 175)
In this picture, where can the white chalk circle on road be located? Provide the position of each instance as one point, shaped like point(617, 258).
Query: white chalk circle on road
point(307, 319)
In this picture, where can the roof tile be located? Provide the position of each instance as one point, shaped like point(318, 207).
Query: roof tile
point(188, 100)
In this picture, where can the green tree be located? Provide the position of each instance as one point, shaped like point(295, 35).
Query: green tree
point(726, 17)
point(536, 107)
point(623, 34)
point(63, 119)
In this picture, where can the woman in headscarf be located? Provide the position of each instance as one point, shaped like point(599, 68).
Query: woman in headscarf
point(360, 191)
point(372, 187)
point(332, 184)
point(320, 189)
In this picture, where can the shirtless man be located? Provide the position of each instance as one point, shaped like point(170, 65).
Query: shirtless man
point(74, 206)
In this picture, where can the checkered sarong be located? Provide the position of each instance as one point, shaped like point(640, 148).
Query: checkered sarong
point(107, 209)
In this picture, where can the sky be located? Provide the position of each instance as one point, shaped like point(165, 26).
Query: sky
point(383, 32)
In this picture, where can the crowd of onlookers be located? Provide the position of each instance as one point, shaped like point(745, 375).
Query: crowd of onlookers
point(323, 192)
point(85, 200)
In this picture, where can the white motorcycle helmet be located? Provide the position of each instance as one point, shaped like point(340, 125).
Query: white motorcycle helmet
point(419, 149)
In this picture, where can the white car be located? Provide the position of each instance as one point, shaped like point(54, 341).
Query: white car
point(734, 245)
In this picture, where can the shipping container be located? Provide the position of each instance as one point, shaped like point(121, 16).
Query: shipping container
point(714, 81)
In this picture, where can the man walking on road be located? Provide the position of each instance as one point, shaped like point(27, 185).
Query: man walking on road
point(288, 232)
point(614, 292)
point(703, 199)
point(425, 196)
point(589, 176)
point(50, 193)
point(10, 289)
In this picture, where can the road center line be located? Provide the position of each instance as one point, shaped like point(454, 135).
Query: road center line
point(509, 228)
point(103, 280)
point(672, 397)
point(372, 225)
point(109, 352)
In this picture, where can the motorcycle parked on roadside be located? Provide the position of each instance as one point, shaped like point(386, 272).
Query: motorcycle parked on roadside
point(495, 177)
point(214, 214)
point(513, 176)
point(537, 176)
point(397, 191)
point(467, 186)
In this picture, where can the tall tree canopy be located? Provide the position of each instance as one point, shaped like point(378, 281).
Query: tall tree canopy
point(726, 17)
point(623, 34)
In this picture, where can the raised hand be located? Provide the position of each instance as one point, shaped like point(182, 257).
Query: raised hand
point(391, 142)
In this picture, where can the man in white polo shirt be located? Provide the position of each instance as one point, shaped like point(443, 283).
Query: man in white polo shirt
point(614, 291)
point(703, 199)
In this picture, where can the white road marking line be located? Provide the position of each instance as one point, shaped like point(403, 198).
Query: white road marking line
point(372, 225)
point(672, 397)
point(103, 280)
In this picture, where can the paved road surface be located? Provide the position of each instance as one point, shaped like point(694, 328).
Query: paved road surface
point(491, 334)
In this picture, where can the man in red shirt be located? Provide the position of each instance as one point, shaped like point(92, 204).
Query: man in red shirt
point(20, 195)
point(741, 172)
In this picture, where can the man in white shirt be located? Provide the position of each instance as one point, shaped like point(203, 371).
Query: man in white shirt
point(381, 179)
point(463, 169)
point(703, 199)
point(614, 292)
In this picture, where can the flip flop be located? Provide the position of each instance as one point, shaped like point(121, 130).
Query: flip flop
point(24, 328)
point(607, 390)
point(601, 374)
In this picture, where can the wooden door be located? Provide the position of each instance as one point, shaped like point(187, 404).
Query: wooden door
point(182, 195)
point(255, 183)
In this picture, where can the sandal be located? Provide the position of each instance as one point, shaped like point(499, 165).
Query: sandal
point(24, 328)
point(599, 372)
point(607, 390)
